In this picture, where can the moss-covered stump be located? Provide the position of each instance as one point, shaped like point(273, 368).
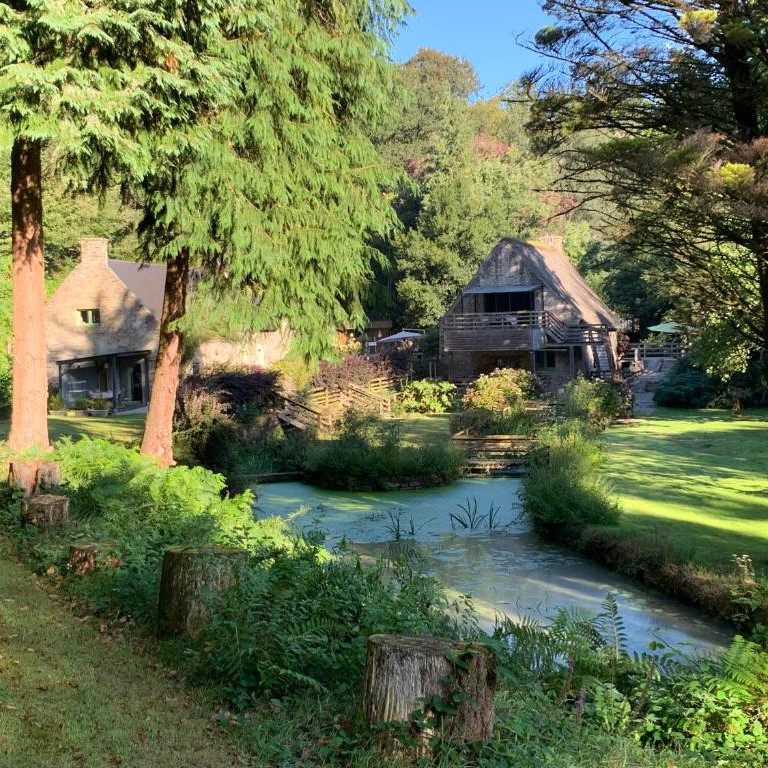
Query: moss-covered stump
point(32, 475)
point(435, 676)
point(45, 510)
point(84, 557)
point(190, 574)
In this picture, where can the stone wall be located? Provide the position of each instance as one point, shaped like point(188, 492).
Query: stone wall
point(260, 349)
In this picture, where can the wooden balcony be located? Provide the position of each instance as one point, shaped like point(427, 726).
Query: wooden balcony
point(493, 331)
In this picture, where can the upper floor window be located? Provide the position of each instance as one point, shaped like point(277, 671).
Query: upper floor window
point(89, 316)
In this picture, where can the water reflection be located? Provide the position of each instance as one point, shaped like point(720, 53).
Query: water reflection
point(508, 570)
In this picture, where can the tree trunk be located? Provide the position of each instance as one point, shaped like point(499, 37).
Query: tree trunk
point(29, 406)
point(45, 510)
point(158, 431)
point(188, 574)
point(450, 682)
point(33, 475)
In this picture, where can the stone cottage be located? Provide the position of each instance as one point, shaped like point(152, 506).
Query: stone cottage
point(103, 326)
point(528, 307)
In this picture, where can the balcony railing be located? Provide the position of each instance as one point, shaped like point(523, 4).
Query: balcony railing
point(496, 331)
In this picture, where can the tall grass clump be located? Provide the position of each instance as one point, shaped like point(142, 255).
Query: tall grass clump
point(563, 491)
point(368, 453)
point(594, 400)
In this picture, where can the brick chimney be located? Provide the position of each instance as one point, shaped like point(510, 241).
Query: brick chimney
point(93, 250)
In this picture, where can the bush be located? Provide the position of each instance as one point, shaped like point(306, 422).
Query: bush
point(594, 400)
point(685, 387)
point(426, 396)
point(501, 391)
point(354, 370)
point(243, 391)
point(563, 492)
point(368, 454)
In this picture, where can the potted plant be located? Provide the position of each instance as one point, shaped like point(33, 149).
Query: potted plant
point(56, 404)
point(98, 407)
point(80, 407)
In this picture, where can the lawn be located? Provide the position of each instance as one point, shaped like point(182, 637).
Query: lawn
point(121, 429)
point(696, 480)
point(421, 430)
point(71, 697)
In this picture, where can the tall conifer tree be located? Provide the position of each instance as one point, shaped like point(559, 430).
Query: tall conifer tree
point(86, 80)
point(276, 195)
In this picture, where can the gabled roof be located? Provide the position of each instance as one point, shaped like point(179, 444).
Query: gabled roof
point(145, 281)
point(548, 262)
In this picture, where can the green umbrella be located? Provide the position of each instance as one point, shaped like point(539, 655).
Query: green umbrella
point(669, 328)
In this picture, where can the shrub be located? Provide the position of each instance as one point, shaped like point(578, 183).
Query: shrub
point(368, 454)
point(685, 387)
point(56, 402)
point(426, 396)
point(242, 391)
point(354, 370)
point(500, 391)
point(594, 400)
point(563, 492)
point(200, 417)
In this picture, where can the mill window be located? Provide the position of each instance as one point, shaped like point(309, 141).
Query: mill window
point(89, 316)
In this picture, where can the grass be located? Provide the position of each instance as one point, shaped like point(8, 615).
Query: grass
point(697, 481)
point(419, 430)
point(70, 696)
point(120, 429)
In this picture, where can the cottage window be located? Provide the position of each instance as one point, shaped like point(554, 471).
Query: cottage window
point(89, 316)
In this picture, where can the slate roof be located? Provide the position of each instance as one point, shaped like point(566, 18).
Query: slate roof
point(145, 281)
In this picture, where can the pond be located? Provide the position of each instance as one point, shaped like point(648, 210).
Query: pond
point(507, 570)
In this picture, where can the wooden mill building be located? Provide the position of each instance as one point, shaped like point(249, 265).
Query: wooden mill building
point(528, 307)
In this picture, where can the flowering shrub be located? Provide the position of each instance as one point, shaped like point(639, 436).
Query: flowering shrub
point(501, 391)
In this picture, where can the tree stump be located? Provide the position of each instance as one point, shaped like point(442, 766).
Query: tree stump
point(83, 557)
point(45, 510)
point(405, 674)
point(188, 574)
point(33, 474)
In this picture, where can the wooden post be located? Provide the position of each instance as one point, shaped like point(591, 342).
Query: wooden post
point(405, 674)
point(45, 510)
point(188, 573)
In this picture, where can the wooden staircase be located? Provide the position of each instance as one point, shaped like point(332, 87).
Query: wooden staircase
point(322, 407)
point(495, 454)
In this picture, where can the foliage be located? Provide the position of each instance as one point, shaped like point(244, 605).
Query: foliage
point(501, 391)
point(594, 400)
point(322, 613)
point(200, 415)
point(478, 421)
point(672, 143)
point(563, 491)
point(427, 396)
point(56, 402)
point(353, 370)
point(685, 387)
point(243, 392)
point(368, 454)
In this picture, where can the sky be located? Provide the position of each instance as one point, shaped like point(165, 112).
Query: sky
point(482, 31)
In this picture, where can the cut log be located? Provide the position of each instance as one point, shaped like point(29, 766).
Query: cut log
point(452, 683)
point(84, 556)
point(189, 575)
point(45, 510)
point(32, 475)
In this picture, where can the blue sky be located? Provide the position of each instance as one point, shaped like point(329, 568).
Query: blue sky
point(482, 31)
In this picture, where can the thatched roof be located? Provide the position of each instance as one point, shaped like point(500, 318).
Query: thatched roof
point(514, 262)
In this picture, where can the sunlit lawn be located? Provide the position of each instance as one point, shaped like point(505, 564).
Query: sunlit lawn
point(425, 430)
point(70, 697)
point(122, 429)
point(696, 480)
